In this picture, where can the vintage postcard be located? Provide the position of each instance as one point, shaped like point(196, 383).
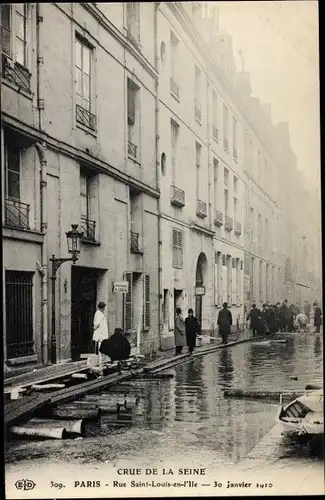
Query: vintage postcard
point(162, 271)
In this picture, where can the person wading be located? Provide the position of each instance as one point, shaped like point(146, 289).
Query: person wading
point(192, 326)
point(317, 317)
point(224, 322)
point(100, 329)
point(179, 332)
point(254, 316)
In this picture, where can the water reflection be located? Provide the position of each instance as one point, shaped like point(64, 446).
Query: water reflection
point(225, 366)
point(188, 417)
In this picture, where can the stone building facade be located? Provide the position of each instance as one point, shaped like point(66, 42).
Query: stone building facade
point(132, 121)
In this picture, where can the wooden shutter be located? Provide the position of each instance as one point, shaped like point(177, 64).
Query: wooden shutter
point(224, 279)
point(146, 301)
point(177, 248)
point(131, 103)
point(233, 282)
point(127, 305)
point(171, 309)
point(180, 249)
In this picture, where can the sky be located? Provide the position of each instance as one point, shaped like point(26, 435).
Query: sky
point(279, 42)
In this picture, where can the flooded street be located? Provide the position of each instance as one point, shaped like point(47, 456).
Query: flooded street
point(187, 417)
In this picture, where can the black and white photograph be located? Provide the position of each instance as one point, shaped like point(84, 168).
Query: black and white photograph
point(162, 249)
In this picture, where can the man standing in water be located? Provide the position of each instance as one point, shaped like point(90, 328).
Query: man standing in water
point(192, 330)
point(224, 322)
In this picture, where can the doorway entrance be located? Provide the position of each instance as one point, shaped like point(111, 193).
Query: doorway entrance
point(83, 308)
point(201, 269)
point(178, 300)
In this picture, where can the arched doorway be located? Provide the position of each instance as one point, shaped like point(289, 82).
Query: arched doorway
point(201, 270)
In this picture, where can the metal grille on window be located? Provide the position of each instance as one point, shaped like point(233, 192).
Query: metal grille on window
point(146, 311)
point(19, 314)
point(127, 304)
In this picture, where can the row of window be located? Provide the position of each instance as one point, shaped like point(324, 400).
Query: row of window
point(175, 91)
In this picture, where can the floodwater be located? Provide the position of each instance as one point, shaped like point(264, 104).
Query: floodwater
point(187, 416)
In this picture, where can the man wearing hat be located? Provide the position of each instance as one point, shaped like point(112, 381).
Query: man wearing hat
point(100, 328)
point(224, 322)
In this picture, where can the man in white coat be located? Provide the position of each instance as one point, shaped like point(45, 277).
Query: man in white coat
point(100, 329)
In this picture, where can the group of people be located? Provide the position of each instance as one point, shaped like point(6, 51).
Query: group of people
point(186, 331)
point(272, 318)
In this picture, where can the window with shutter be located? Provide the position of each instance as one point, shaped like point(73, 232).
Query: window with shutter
point(146, 301)
point(127, 305)
point(177, 248)
point(131, 103)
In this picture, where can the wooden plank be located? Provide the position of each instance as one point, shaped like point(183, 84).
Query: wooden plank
point(23, 407)
point(91, 385)
point(46, 375)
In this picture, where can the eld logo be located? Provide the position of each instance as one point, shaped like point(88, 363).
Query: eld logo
point(25, 484)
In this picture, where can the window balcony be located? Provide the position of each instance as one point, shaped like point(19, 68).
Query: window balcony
point(177, 197)
point(85, 117)
point(174, 88)
point(215, 133)
point(198, 112)
point(201, 209)
point(218, 218)
point(16, 214)
point(16, 73)
point(229, 224)
point(132, 39)
point(237, 228)
point(89, 229)
point(132, 149)
point(134, 243)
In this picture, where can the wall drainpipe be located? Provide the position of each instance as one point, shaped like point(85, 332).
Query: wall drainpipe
point(43, 269)
point(42, 151)
point(158, 176)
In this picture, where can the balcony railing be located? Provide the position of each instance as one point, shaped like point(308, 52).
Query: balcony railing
point(225, 143)
point(89, 228)
point(132, 149)
point(16, 214)
point(132, 39)
point(218, 218)
point(198, 113)
point(201, 209)
point(15, 73)
point(234, 153)
point(237, 228)
point(229, 224)
point(215, 133)
point(85, 117)
point(134, 242)
point(177, 197)
point(174, 88)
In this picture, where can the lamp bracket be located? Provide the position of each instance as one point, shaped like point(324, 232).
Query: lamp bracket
point(56, 263)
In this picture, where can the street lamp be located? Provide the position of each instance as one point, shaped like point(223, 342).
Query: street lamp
point(74, 239)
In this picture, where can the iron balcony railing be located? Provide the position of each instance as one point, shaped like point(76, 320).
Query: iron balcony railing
point(89, 228)
point(215, 133)
point(174, 88)
point(218, 218)
point(229, 225)
point(17, 214)
point(225, 143)
point(132, 39)
point(177, 197)
point(134, 242)
point(237, 228)
point(85, 117)
point(132, 149)
point(198, 113)
point(15, 73)
point(201, 209)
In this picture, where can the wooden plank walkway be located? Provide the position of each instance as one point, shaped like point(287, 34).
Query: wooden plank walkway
point(52, 372)
point(25, 406)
